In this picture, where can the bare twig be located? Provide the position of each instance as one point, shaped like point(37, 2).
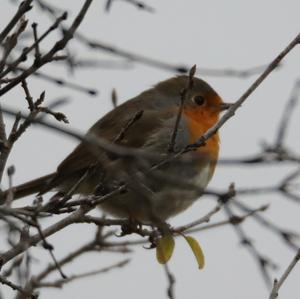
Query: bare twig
point(15, 287)
point(137, 116)
point(31, 241)
point(4, 145)
point(15, 264)
point(23, 8)
point(37, 53)
point(114, 98)
point(67, 259)
point(287, 236)
point(262, 261)
point(183, 93)
point(278, 283)
point(59, 283)
point(232, 220)
point(62, 82)
point(49, 247)
point(203, 219)
point(48, 57)
point(28, 96)
point(182, 69)
point(286, 116)
point(138, 4)
point(12, 66)
point(231, 111)
point(171, 281)
point(11, 42)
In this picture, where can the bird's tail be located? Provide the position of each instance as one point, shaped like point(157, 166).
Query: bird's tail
point(39, 185)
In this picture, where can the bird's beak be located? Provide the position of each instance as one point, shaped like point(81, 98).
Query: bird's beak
point(225, 106)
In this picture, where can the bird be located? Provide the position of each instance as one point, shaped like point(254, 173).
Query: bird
point(161, 122)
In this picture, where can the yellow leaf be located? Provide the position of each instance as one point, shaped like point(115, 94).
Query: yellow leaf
point(197, 251)
point(165, 248)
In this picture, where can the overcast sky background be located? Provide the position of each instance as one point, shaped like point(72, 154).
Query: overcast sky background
point(212, 34)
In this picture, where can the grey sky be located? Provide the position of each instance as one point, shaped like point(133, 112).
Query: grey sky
point(212, 34)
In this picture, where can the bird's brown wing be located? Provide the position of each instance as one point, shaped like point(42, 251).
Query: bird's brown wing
point(151, 131)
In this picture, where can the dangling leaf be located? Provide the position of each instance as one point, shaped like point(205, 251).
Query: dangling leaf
point(197, 251)
point(165, 248)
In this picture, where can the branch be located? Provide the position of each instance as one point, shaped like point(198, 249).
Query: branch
point(286, 116)
point(231, 111)
point(12, 66)
point(171, 281)
point(33, 240)
point(262, 261)
point(23, 8)
point(18, 288)
point(62, 82)
point(137, 4)
point(60, 282)
point(48, 57)
point(203, 219)
point(231, 220)
point(183, 93)
point(278, 283)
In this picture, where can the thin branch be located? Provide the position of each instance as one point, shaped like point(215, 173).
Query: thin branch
point(11, 42)
point(53, 10)
point(262, 261)
point(287, 236)
point(233, 73)
point(52, 229)
point(50, 248)
point(114, 98)
point(232, 220)
point(18, 288)
point(15, 264)
point(37, 53)
point(59, 283)
point(278, 283)
point(231, 111)
point(12, 66)
point(28, 96)
point(203, 219)
point(48, 57)
point(23, 8)
point(4, 146)
point(67, 259)
point(138, 4)
point(62, 82)
point(183, 94)
point(7, 147)
point(33, 240)
point(182, 69)
point(136, 117)
point(171, 281)
point(286, 116)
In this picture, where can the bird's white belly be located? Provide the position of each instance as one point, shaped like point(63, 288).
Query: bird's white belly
point(202, 178)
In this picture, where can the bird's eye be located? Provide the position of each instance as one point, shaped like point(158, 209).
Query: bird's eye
point(199, 100)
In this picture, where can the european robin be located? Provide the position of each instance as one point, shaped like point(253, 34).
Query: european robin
point(147, 193)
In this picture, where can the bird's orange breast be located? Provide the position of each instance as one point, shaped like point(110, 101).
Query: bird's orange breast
point(198, 123)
